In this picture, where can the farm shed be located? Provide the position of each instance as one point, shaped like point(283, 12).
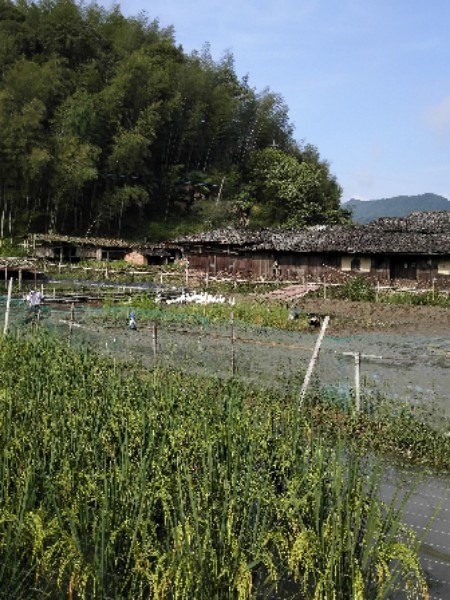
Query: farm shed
point(416, 247)
point(74, 249)
point(21, 270)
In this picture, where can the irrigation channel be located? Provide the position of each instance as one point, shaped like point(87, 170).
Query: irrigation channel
point(405, 368)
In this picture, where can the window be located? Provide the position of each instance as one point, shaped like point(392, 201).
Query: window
point(356, 264)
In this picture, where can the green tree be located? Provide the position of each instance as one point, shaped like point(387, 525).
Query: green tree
point(74, 168)
point(290, 192)
point(106, 121)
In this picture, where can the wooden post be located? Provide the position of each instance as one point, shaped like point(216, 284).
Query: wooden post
point(313, 361)
point(357, 382)
point(324, 290)
point(200, 336)
point(233, 353)
point(8, 304)
point(377, 292)
point(154, 338)
point(72, 318)
point(20, 280)
point(220, 189)
point(357, 357)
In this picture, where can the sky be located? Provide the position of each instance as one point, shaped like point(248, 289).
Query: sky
point(366, 81)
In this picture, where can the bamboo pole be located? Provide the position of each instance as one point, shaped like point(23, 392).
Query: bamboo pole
point(8, 304)
point(357, 376)
point(72, 319)
point(154, 338)
point(233, 350)
point(313, 361)
point(357, 382)
point(200, 336)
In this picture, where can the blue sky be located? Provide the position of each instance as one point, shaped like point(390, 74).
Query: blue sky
point(366, 81)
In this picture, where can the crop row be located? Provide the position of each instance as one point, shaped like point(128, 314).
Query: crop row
point(122, 483)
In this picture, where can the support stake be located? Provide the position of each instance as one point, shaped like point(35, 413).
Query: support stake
point(8, 304)
point(233, 353)
point(313, 361)
point(154, 338)
point(357, 356)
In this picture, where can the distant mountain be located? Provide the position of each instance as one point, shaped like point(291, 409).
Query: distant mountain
point(365, 211)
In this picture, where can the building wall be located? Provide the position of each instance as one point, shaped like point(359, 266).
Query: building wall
point(443, 267)
point(356, 263)
point(262, 266)
point(250, 266)
point(46, 252)
point(320, 266)
point(136, 258)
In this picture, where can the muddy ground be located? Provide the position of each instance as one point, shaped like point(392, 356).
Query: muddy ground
point(348, 317)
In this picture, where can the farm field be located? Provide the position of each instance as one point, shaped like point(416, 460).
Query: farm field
point(122, 483)
point(407, 347)
point(356, 317)
point(275, 359)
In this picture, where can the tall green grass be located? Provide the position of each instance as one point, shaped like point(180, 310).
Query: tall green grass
point(118, 483)
point(250, 311)
point(364, 290)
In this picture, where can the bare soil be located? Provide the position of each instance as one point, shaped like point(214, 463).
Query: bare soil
point(348, 317)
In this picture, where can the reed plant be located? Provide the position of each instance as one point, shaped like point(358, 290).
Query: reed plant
point(122, 483)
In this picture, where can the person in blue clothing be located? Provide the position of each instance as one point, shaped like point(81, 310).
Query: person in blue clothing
point(132, 324)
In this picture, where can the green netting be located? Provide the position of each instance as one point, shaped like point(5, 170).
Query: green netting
point(191, 343)
point(145, 315)
point(408, 370)
point(13, 301)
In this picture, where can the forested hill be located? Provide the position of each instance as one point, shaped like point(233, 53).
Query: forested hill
point(399, 206)
point(108, 127)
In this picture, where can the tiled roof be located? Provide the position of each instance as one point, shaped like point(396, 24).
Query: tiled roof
point(421, 233)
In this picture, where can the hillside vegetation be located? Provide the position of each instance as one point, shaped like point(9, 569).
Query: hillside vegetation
point(109, 127)
point(399, 206)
